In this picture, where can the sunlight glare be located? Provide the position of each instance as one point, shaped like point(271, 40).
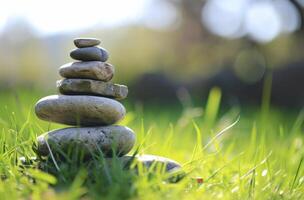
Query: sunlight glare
point(57, 15)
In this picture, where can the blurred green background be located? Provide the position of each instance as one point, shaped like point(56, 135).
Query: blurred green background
point(164, 50)
point(193, 68)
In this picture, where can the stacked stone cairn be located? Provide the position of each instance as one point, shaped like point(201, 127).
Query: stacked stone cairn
point(88, 103)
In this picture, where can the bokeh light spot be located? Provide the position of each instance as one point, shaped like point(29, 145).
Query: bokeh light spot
point(250, 66)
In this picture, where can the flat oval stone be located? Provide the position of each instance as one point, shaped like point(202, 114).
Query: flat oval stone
point(91, 87)
point(86, 42)
point(90, 54)
point(152, 161)
point(80, 110)
point(95, 70)
point(88, 140)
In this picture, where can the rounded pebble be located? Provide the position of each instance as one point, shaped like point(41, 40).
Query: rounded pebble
point(86, 42)
point(80, 110)
point(88, 140)
point(92, 87)
point(90, 54)
point(152, 160)
point(95, 70)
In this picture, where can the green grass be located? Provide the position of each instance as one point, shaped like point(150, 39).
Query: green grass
point(259, 155)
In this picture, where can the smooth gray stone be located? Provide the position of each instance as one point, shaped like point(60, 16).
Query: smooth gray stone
point(91, 87)
point(88, 140)
point(90, 54)
point(86, 42)
point(95, 70)
point(80, 110)
point(153, 161)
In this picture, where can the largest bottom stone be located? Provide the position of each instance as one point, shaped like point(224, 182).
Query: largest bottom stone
point(89, 141)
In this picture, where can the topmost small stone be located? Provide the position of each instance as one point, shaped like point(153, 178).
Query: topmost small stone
point(86, 42)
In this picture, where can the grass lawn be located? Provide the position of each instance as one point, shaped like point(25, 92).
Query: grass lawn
point(239, 152)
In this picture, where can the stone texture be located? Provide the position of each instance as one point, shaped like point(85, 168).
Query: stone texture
point(79, 110)
point(91, 87)
point(86, 42)
point(90, 54)
point(95, 70)
point(88, 140)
